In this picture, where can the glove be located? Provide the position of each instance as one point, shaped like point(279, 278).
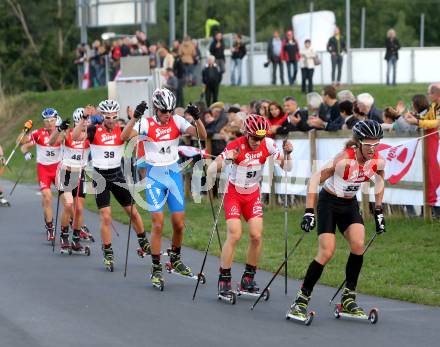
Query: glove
point(379, 219)
point(28, 156)
point(2, 160)
point(27, 126)
point(96, 119)
point(140, 109)
point(308, 222)
point(64, 125)
point(193, 110)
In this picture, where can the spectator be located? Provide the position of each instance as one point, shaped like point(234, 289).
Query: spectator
point(392, 46)
point(336, 46)
point(329, 116)
point(187, 52)
point(171, 81)
point(175, 48)
point(314, 102)
point(125, 47)
point(276, 117)
point(166, 58)
point(217, 49)
point(365, 104)
point(346, 111)
point(253, 106)
point(291, 56)
point(430, 117)
point(81, 57)
point(274, 54)
point(178, 68)
point(262, 108)
point(345, 95)
point(215, 124)
point(197, 60)
point(307, 62)
point(389, 117)
point(97, 64)
point(357, 116)
point(211, 77)
point(296, 118)
point(238, 53)
point(152, 54)
point(233, 128)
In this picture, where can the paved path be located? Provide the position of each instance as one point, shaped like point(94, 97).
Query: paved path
point(48, 299)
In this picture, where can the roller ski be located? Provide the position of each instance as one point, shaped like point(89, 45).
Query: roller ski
point(298, 311)
point(65, 244)
point(85, 234)
point(108, 258)
point(156, 277)
point(348, 308)
point(225, 292)
point(177, 267)
point(3, 201)
point(144, 247)
point(77, 248)
point(248, 287)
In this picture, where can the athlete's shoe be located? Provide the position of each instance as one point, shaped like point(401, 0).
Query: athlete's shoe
point(349, 305)
point(299, 306)
point(50, 233)
point(64, 242)
point(145, 245)
point(248, 283)
point(108, 256)
point(177, 264)
point(85, 234)
point(156, 275)
point(224, 284)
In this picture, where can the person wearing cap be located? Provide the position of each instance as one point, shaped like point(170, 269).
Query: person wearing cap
point(247, 155)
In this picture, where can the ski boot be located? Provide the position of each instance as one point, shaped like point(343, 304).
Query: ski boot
point(348, 308)
point(50, 232)
point(76, 246)
point(156, 277)
point(64, 243)
point(298, 310)
point(3, 201)
point(144, 247)
point(225, 292)
point(85, 234)
point(108, 258)
point(248, 286)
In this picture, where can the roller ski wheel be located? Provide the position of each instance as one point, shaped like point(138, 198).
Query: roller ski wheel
point(253, 293)
point(108, 265)
point(5, 204)
point(141, 253)
point(200, 277)
point(306, 320)
point(77, 248)
point(372, 317)
point(159, 285)
point(230, 297)
point(66, 250)
point(85, 234)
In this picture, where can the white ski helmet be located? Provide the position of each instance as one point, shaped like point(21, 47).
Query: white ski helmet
point(164, 99)
point(49, 113)
point(58, 121)
point(109, 106)
point(78, 114)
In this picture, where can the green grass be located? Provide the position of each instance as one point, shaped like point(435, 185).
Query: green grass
point(401, 264)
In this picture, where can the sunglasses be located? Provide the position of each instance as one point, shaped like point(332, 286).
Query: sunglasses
point(370, 145)
point(165, 111)
point(256, 138)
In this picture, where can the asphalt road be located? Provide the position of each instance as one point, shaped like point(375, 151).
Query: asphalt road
point(48, 299)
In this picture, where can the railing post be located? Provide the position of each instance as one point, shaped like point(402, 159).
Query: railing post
point(427, 213)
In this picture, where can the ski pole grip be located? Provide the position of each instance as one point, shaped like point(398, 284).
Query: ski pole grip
point(27, 126)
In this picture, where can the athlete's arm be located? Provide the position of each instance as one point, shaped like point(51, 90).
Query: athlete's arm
point(56, 137)
point(27, 142)
point(379, 183)
point(200, 126)
point(129, 130)
point(79, 132)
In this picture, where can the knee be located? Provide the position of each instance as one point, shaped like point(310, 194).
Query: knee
point(233, 237)
point(68, 207)
point(357, 247)
point(255, 239)
point(325, 255)
point(157, 227)
point(106, 218)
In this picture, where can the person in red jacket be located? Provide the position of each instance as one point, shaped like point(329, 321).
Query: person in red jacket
point(290, 50)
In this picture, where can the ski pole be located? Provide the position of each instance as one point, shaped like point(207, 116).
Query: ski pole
point(285, 223)
point(114, 229)
point(27, 127)
point(132, 199)
point(59, 195)
point(345, 280)
point(279, 269)
point(209, 191)
point(214, 227)
point(78, 185)
point(20, 176)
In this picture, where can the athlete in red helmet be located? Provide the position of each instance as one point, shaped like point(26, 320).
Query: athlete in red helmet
point(248, 154)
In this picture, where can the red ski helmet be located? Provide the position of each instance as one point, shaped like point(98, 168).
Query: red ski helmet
point(256, 126)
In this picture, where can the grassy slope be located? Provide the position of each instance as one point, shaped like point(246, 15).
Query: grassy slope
point(401, 264)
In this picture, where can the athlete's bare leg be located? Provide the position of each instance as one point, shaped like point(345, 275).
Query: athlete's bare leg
point(46, 202)
point(105, 214)
point(255, 240)
point(178, 222)
point(233, 236)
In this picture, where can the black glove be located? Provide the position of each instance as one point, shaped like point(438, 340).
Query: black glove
point(379, 219)
point(308, 222)
point(64, 125)
point(140, 109)
point(193, 110)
